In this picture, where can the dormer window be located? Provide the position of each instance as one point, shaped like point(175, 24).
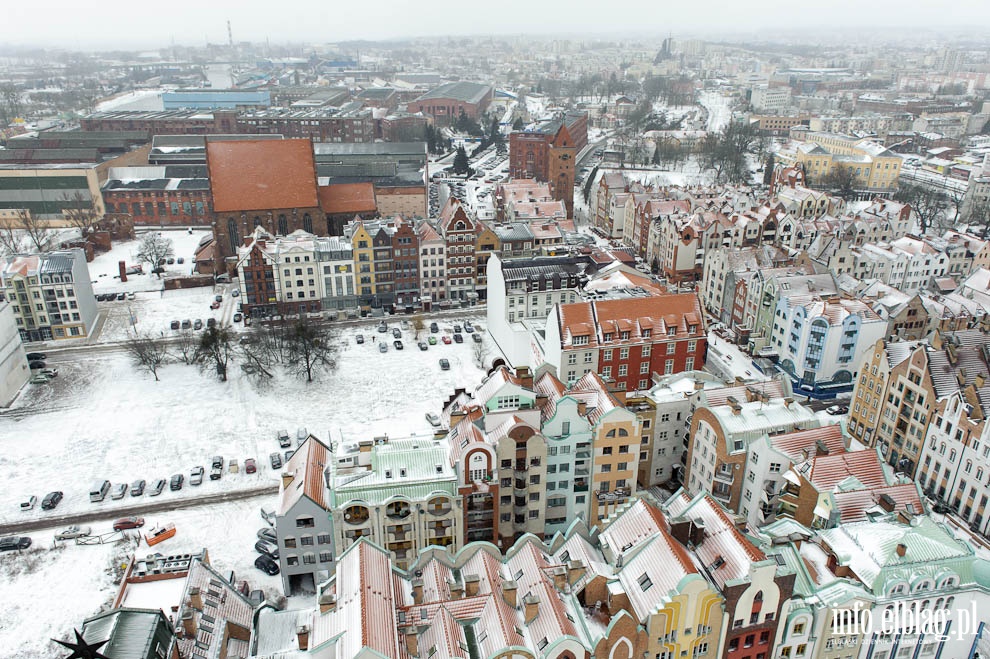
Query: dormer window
point(692, 328)
point(581, 340)
point(624, 336)
point(671, 331)
point(647, 333)
point(608, 336)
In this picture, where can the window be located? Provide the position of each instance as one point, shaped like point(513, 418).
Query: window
point(304, 522)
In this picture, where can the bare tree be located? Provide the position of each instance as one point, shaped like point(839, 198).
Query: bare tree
point(11, 239)
point(186, 348)
point(927, 203)
point(257, 358)
point(149, 352)
point(154, 249)
point(840, 181)
point(311, 347)
point(80, 212)
point(39, 235)
point(418, 324)
point(479, 353)
point(215, 348)
point(978, 215)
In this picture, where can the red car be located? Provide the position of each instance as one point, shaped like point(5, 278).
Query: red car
point(128, 523)
point(250, 466)
point(215, 305)
point(445, 339)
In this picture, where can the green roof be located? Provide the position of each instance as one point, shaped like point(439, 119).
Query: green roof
point(133, 633)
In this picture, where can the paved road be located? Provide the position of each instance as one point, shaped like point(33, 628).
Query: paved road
point(147, 507)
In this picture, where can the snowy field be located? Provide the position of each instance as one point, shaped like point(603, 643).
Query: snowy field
point(80, 576)
point(152, 430)
point(105, 273)
point(153, 312)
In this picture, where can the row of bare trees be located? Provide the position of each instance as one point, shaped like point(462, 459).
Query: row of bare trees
point(299, 346)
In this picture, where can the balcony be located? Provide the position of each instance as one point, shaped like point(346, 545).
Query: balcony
point(520, 484)
point(724, 477)
point(356, 515)
point(722, 497)
point(398, 510)
point(581, 485)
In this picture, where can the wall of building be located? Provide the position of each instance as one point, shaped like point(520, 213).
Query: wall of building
point(14, 371)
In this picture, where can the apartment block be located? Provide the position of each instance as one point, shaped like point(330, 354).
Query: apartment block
point(50, 295)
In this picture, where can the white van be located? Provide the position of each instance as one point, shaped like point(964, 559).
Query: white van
point(98, 491)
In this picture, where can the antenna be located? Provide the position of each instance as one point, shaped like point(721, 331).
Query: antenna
point(230, 35)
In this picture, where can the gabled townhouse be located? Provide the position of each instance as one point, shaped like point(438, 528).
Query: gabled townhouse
point(832, 488)
point(459, 231)
point(626, 341)
point(432, 250)
point(754, 586)
point(400, 493)
point(304, 525)
point(820, 341)
point(723, 427)
point(908, 562)
point(906, 315)
point(723, 268)
point(764, 293)
point(610, 184)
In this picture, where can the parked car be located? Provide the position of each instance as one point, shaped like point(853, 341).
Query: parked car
point(301, 435)
point(445, 339)
point(37, 365)
point(257, 596)
point(397, 344)
point(468, 327)
point(180, 260)
point(29, 503)
point(121, 297)
point(476, 338)
point(73, 532)
point(214, 305)
point(382, 347)
point(118, 491)
point(360, 338)
point(444, 365)
point(174, 325)
point(198, 324)
point(196, 476)
point(216, 473)
point(170, 261)
point(250, 466)
point(458, 338)
point(457, 329)
point(51, 500)
point(276, 460)
point(837, 409)
point(12, 542)
point(432, 340)
point(217, 461)
point(422, 345)
point(137, 487)
point(268, 534)
point(396, 333)
point(36, 356)
point(382, 327)
point(49, 372)
point(186, 324)
point(283, 439)
point(175, 483)
point(125, 523)
point(237, 317)
point(433, 419)
point(266, 548)
point(39, 378)
point(218, 298)
point(266, 565)
point(211, 322)
point(157, 487)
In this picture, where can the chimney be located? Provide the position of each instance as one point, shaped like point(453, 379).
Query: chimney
point(698, 385)
point(417, 588)
point(821, 447)
point(189, 623)
point(195, 598)
point(901, 549)
point(888, 504)
point(788, 401)
point(980, 380)
point(302, 634)
point(472, 583)
point(509, 591)
point(582, 408)
point(456, 416)
point(327, 602)
point(364, 446)
point(531, 608)
point(697, 533)
point(412, 642)
point(287, 477)
point(560, 577)
point(122, 267)
point(526, 377)
point(456, 589)
point(575, 570)
point(736, 409)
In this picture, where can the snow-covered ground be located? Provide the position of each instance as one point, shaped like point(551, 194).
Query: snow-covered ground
point(79, 577)
point(141, 99)
point(719, 113)
point(105, 273)
point(151, 430)
point(153, 312)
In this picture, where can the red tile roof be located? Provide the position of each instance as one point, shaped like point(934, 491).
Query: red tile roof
point(348, 198)
point(830, 470)
point(247, 175)
point(794, 443)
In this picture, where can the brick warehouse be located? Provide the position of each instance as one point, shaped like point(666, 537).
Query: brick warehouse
point(548, 153)
point(160, 196)
point(444, 103)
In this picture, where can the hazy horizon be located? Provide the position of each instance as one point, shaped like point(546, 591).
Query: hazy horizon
point(146, 26)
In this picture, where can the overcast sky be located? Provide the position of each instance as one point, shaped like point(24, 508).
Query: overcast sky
point(77, 24)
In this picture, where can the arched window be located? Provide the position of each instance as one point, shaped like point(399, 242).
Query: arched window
point(307, 223)
point(235, 240)
point(283, 225)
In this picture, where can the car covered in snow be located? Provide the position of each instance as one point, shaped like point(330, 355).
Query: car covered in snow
point(73, 532)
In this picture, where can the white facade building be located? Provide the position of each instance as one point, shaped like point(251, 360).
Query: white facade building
point(14, 371)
